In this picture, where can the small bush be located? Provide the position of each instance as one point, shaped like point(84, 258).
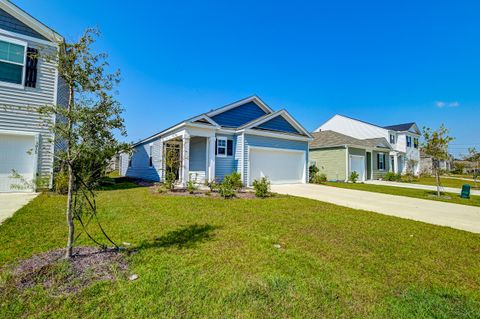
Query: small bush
point(235, 180)
point(226, 190)
point(170, 180)
point(212, 185)
point(192, 185)
point(353, 177)
point(262, 187)
point(312, 170)
point(318, 179)
point(61, 182)
point(392, 177)
point(408, 178)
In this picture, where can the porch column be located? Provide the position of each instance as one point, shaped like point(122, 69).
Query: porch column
point(211, 158)
point(185, 159)
point(395, 164)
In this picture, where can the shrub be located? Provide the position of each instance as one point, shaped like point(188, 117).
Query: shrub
point(61, 182)
point(353, 177)
point(318, 179)
point(235, 180)
point(312, 171)
point(212, 185)
point(226, 190)
point(392, 177)
point(262, 187)
point(170, 180)
point(192, 184)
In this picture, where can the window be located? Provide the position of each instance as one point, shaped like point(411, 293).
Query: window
point(409, 141)
point(12, 61)
point(392, 139)
point(150, 156)
point(381, 161)
point(224, 147)
point(415, 142)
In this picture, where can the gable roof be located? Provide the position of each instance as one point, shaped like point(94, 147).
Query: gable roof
point(397, 128)
point(255, 99)
point(256, 123)
point(30, 21)
point(403, 127)
point(325, 139)
point(206, 120)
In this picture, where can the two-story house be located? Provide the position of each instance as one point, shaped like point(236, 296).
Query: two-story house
point(403, 142)
point(27, 80)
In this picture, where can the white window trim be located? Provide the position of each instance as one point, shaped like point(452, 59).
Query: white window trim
point(25, 46)
point(150, 155)
point(226, 139)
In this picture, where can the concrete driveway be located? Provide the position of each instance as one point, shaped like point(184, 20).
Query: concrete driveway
point(11, 202)
point(428, 211)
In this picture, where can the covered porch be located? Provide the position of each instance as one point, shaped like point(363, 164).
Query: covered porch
point(190, 155)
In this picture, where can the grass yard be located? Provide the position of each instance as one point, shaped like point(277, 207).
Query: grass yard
point(409, 192)
point(445, 182)
point(214, 258)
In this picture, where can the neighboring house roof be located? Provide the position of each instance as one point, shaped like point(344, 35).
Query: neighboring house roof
point(397, 128)
point(257, 108)
point(30, 21)
point(400, 127)
point(325, 139)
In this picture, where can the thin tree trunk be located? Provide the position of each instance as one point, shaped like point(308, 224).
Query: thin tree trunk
point(71, 226)
point(437, 177)
point(69, 213)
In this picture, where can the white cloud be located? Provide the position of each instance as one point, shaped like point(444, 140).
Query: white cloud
point(443, 104)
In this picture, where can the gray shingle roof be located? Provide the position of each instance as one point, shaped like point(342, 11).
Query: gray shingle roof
point(400, 127)
point(325, 139)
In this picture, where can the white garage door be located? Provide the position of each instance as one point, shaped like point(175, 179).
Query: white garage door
point(17, 152)
point(357, 164)
point(279, 166)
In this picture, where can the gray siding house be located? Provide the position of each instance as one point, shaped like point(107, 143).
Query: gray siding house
point(337, 155)
point(27, 81)
point(247, 137)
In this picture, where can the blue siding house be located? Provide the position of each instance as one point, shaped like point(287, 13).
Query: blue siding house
point(247, 137)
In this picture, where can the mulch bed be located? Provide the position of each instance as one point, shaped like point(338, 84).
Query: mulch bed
point(159, 190)
point(61, 276)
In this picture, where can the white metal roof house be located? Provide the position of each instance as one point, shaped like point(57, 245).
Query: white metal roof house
point(26, 82)
point(403, 138)
point(247, 137)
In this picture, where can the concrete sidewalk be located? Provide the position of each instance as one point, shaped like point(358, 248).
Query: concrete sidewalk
point(428, 211)
point(421, 186)
point(11, 202)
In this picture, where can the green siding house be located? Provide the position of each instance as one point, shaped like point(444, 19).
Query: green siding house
point(337, 156)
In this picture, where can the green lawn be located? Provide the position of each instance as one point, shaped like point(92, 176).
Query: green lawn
point(445, 182)
point(334, 261)
point(409, 192)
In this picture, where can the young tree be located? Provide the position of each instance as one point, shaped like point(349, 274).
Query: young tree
point(435, 145)
point(474, 157)
point(86, 127)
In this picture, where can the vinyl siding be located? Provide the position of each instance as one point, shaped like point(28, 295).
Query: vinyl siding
point(278, 124)
point(240, 115)
point(331, 162)
point(226, 165)
point(19, 108)
point(140, 162)
point(263, 141)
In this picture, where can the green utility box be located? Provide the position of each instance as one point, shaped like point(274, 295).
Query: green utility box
point(465, 191)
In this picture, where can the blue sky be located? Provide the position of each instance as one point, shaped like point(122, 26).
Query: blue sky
point(385, 62)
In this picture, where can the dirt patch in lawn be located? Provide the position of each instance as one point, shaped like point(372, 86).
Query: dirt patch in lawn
point(61, 276)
